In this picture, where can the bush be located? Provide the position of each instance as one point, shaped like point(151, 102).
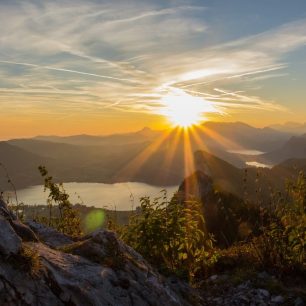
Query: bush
point(282, 243)
point(68, 221)
point(171, 236)
point(279, 246)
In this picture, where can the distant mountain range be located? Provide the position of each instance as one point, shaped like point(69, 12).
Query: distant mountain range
point(116, 139)
point(154, 157)
point(295, 147)
point(290, 127)
point(251, 182)
point(21, 166)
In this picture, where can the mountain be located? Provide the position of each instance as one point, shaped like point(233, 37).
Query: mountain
point(79, 163)
point(248, 181)
point(238, 135)
point(146, 134)
point(222, 136)
point(295, 147)
point(226, 176)
point(154, 157)
point(21, 166)
point(231, 197)
point(224, 212)
point(159, 162)
point(290, 127)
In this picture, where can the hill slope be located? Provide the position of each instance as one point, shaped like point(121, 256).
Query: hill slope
point(295, 147)
point(21, 166)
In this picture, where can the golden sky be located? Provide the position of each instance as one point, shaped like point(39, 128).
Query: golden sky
point(101, 67)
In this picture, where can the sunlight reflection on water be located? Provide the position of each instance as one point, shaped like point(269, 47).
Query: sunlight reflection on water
point(258, 165)
point(98, 194)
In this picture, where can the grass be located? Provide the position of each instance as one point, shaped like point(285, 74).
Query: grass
point(28, 260)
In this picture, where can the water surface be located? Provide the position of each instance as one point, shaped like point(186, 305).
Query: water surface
point(258, 165)
point(246, 152)
point(122, 196)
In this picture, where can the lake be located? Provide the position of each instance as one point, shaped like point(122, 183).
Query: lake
point(245, 152)
point(258, 165)
point(122, 196)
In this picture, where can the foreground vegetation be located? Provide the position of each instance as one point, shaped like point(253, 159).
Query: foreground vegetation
point(172, 234)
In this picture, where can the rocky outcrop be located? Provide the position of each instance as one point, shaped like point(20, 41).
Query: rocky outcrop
point(97, 269)
point(10, 243)
point(49, 235)
point(256, 290)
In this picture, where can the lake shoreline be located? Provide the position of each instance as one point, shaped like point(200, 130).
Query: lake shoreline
point(117, 196)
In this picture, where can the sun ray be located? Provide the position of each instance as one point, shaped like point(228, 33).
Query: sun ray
point(225, 143)
point(188, 158)
point(131, 169)
point(173, 150)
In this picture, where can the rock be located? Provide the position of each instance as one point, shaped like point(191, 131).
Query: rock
point(213, 278)
point(83, 282)
point(102, 247)
point(277, 299)
point(23, 231)
point(98, 269)
point(10, 242)
point(264, 293)
point(244, 294)
point(299, 302)
point(49, 236)
point(263, 275)
point(21, 289)
point(4, 211)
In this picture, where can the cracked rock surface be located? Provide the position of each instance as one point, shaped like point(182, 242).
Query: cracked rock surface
point(97, 269)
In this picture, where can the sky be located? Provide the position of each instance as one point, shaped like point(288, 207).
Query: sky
point(101, 67)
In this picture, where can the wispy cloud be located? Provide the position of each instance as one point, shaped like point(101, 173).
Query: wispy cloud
point(118, 55)
point(70, 71)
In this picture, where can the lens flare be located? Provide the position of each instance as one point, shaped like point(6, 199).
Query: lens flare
point(94, 220)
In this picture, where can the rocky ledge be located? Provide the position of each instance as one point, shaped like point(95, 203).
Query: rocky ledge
point(219, 291)
point(39, 266)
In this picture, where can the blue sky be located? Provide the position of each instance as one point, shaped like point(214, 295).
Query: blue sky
point(108, 64)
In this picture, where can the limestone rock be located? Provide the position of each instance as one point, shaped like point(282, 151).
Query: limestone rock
point(23, 231)
point(10, 242)
point(98, 269)
point(278, 299)
point(4, 211)
point(48, 235)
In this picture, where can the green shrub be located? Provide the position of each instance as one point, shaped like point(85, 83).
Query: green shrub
point(68, 221)
point(171, 236)
point(282, 244)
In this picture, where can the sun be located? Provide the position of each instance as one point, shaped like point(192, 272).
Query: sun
point(184, 110)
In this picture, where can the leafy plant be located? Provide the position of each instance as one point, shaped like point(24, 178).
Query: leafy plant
point(171, 235)
point(68, 221)
point(17, 207)
point(30, 260)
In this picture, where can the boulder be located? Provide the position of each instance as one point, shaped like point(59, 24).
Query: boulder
point(79, 281)
point(97, 269)
point(10, 242)
point(4, 211)
point(23, 231)
point(49, 235)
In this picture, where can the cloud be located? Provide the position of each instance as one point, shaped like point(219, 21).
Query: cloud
point(91, 56)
